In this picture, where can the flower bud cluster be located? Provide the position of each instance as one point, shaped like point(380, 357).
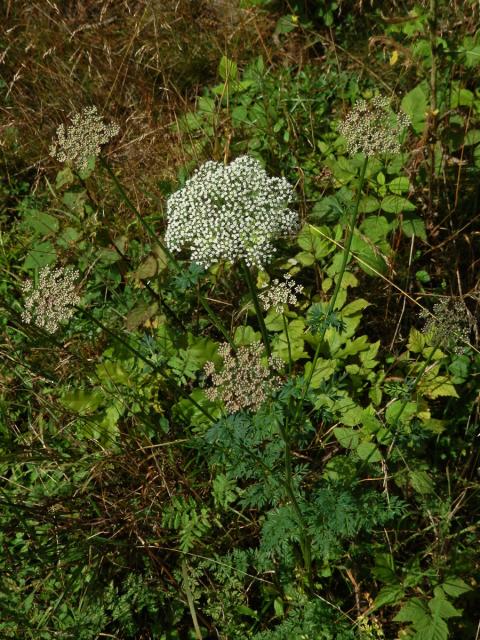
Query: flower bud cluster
point(230, 212)
point(50, 303)
point(372, 128)
point(280, 294)
point(449, 326)
point(82, 139)
point(244, 382)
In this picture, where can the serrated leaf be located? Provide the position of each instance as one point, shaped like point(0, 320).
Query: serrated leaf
point(368, 204)
point(227, 69)
point(441, 607)
point(390, 594)
point(140, 313)
point(324, 369)
point(455, 586)
point(413, 611)
point(64, 177)
point(40, 255)
point(376, 228)
point(414, 227)
point(416, 341)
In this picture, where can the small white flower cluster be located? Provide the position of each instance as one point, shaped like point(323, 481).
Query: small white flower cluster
point(83, 138)
point(230, 212)
point(450, 325)
point(281, 293)
point(50, 302)
point(244, 382)
point(372, 128)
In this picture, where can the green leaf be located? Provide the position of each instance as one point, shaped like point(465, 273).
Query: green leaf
point(414, 227)
point(245, 335)
point(40, 255)
point(64, 177)
point(396, 204)
point(82, 401)
point(40, 222)
point(441, 607)
point(348, 438)
point(312, 239)
point(376, 228)
point(140, 313)
point(392, 412)
point(416, 341)
point(455, 586)
point(414, 610)
point(390, 594)
point(440, 386)
point(421, 482)
point(370, 261)
point(415, 105)
point(227, 69)
point(399, 185)
point(368, 204)
point(324, 369)
point(368, 451)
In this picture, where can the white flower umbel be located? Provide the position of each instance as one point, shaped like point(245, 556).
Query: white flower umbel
point(280, 294)
point(230, 212)
point(83, 138)
point(372, 128)
point(51, 302)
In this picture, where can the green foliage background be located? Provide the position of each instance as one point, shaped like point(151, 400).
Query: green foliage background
point(133, 507)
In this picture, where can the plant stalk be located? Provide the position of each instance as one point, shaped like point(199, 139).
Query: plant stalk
point(256, 304)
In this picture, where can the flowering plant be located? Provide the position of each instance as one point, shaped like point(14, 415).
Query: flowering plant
point(230, 212)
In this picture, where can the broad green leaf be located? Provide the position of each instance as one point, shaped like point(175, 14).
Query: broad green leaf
point(376, 228)
point(368, 451)
point(40, 255)
point(82, 401)
point(368, 204)
point(40, 222)
point(312, 239)
point(415, 105)
point(414, 227)
point(414, 610)
point(390, 594)
point(370, 260)
point(399, 185)
point(245, 335)
point(396, 204)
point(139, 315)
point(324, 369)
point(438, 387)
point(421, 482)
point(348, 438)
point(64, 177)
point(455, 586)
point(441, 607)
point(393, 414)
point(416, 341)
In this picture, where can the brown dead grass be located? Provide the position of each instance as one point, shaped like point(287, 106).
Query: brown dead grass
point(141, 62)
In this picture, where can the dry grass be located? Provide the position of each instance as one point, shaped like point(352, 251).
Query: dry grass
point(140, 62)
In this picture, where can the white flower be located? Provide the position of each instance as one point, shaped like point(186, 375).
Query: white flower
point(51, 301)
point(372, 128)
point(281, 293)
point(230, 212)
point(83, 138)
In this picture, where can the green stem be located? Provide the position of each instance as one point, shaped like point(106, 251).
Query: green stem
point(256, 304)
point(289, 346)
point(305, 544)
point(191, 604)
point(346, 255)
point(216, 321)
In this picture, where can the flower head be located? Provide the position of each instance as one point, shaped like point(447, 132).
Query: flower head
point(244, 382)
point(83, 138)
point(280, 294)
point(230, 212)
point(372, 128)
point(450, 324)
point(50, 303)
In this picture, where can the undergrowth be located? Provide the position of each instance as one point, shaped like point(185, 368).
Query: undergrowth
point(278, 439)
